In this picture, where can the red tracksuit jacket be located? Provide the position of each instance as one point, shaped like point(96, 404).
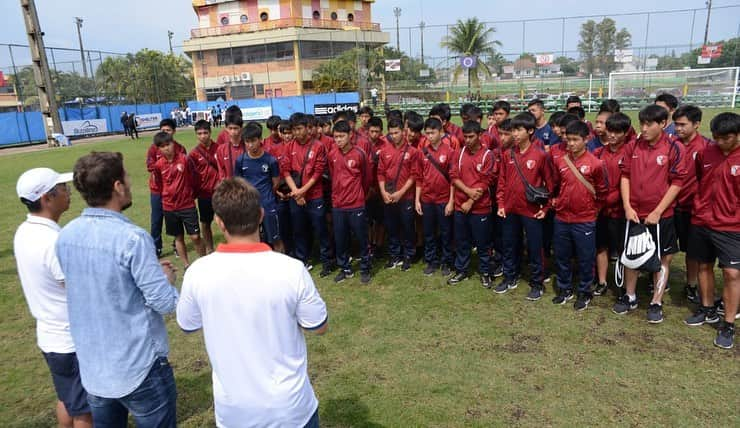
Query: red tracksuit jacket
point(152, 156)
point(717, 200)
point(535, 168)
point(227, 155)
point(351, 174)
point(204, 161)
point(179, 182)
point(391, 158)
point(685, 199)
point(475, 170)
point(435, 188)
point(613, 206)
point(574, 202)
point(314, 154)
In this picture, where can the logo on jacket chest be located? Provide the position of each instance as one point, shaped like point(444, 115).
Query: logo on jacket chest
point(735, 170)
point(531, 164)
point(265, 168)
point(180, 167)
point(351, 163)
point(661, 160)
point(585, 169)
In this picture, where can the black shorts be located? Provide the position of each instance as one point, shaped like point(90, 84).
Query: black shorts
point(610, 235)
point(682, 221)
point(668, 241)
point(706, 245)
point(271, 226)
point(205, 210)
point(175, 221)
point(65, 373)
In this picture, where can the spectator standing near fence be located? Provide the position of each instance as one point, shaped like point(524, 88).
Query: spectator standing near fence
point(132, 126)
point(124, 123)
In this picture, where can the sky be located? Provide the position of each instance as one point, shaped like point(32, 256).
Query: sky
point(130, 25)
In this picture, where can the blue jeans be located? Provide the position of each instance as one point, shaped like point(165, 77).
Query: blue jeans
point(472, 229)
point(304, 220)
point(401, 229)
point(354, 222)
point(152, 404)
point(437, 244)
point(577, 239)
point(314, 421)
point(512, 242)
point(156, 219)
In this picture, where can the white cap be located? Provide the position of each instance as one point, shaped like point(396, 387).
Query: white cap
point(34, 183)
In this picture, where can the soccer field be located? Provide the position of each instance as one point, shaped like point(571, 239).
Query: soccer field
point(408, 350)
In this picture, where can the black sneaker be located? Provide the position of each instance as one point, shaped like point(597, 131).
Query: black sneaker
point(393, 263)
point(719, 306)
point(702, 315)
point(406, 265)
point(547, 276)
point(692, 294)
point(600, 289)
point(497, 269)
point(562, 297)
point(485, 281)
point(624, 305)
point(365, 277)
point(326, 271)
point(655, 313)
point(535, 292)
point(342, 275)
point(582, 301)
point(505, 286)
point(445, 270)
point(725, 336)
point(457, 278)
point(430, 269)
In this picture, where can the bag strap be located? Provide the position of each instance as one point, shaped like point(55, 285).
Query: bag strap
point(400, 164)
point(519, 170)
point(207, 157)
point(435, 164)
point(579, 176)
point(305, 158)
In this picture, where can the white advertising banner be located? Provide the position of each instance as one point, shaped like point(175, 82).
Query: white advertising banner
point(149, 120)
point(256, 113)
point(74, 128)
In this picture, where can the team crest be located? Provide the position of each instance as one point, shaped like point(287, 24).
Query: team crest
point(265, 168)
point(585, 169)
point(310, 154)
point(735, 170)
point(180, 167)
point(442, 159)
point(479, 167)
point(661, 160)
point(531, 164)
point(406, 156)
point(694, 155)
point(351, 163)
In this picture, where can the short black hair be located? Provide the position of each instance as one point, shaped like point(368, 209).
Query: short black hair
point(669, 99)
point(273, 122)
point(653, 113)
point(573, 99)
point(162, 139)
point(202, 124)
point(577, 111)
point(475, 113)
point(554, 117)
point(537, 102)
point(312, 120)
point(323, 120)
point(95, 174)
point(618, 122)
point(471, 126)
point(251, 131)
point(433, 123)
point(577, 128)
point(233, 116)
point(725, 124)
point(415, 121)
point(501, 105)
point(609, 105)
point(466, 108)
point(394, 114)
point(690, 112)
point(365, 110)
point(284, 125)
point(375, 122)
point(168, 122)
point(298, 119)
point(505, 125)
point(524, 120)
point(395, 123)
point(342, 126)
point(446, 110)
point(567, 119)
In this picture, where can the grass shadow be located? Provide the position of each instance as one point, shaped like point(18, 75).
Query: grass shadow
point(345, 412)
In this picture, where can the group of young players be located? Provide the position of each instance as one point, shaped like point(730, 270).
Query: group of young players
point(561, 190)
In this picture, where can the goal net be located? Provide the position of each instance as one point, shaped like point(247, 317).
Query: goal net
point(705, 87)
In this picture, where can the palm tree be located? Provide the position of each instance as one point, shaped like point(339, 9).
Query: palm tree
point(471, 38)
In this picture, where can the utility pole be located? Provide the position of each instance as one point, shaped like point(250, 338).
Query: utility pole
point(41, 74)
point(706, 28)
point(421, 27)
point(397, 12)
point(169, 35)
point(78, 22)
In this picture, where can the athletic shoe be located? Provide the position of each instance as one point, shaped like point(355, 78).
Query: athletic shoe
point(445, 270)
point(725, 336)
point(505, 286)
point(393, 263)
point(655, 313)
point(719, 306)
point(365, 277)
point(430, 269)
point(582, 301)
point(308, 266)
point(702, 315)
point(535, 292)
point(497, 269)
point(624, 305)
point(562, 297)
point(547, 277)
point(326, 271)
point(692, 294)
point(601, 289)
point(406, 265)
point(485, 281)
point(457, 278)
point(342, 275)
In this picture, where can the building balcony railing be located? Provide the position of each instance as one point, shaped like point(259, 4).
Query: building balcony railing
point(275, 24)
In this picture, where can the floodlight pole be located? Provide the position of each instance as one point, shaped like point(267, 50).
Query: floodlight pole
point(41, 74)
point(397, 12)
point(169, 36)
point(706, 28)
point(421, 27)
point(78, 22)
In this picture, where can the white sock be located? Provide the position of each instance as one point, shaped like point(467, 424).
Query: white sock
point(632, 297)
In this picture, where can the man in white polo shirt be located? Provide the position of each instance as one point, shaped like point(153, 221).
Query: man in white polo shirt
point(253, 305)
point(46, 195)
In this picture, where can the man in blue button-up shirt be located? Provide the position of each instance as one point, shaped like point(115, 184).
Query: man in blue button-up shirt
point(117, 292)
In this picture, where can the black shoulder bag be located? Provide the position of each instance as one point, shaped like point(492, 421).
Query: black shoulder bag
point(435, 164)
point(390, 186)
point(298, 176)
point(534, 195)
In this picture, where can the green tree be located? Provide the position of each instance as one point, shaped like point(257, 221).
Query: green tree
point(68, 86)
point(568, 66)
point(471, 38)
point(586, 46)
point(598, 42)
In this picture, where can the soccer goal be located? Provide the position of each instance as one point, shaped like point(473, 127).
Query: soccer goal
point(705, 87)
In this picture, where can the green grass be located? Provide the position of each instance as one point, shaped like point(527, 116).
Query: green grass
point(410, 351)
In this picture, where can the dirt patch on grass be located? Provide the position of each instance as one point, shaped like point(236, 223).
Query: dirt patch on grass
point(522, 343)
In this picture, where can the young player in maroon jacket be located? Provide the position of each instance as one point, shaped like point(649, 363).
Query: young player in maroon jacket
point(716, 221)
point(496, 116)
point(414, 130)
point(435, 199)
point(374, 201)
point(516, 211)
point(687, 120)
point(472, 175)
point(303, 168)
point(203, 158)
point(582, 183)
point(442, 112)
point(351, 175)
point(225, 136)
point(364, 114)
point(506, 141)
point(155, 188)
point(275, 144)
point(398, 167)
point(272, 124)
point(611, 223)
point(653, 172)
point(179, 187)
point(227, 153)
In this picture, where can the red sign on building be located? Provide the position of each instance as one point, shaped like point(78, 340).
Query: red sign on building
point(711, 51)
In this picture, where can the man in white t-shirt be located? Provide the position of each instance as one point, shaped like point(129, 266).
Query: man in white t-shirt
point(253, 305)
point(46, 195)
